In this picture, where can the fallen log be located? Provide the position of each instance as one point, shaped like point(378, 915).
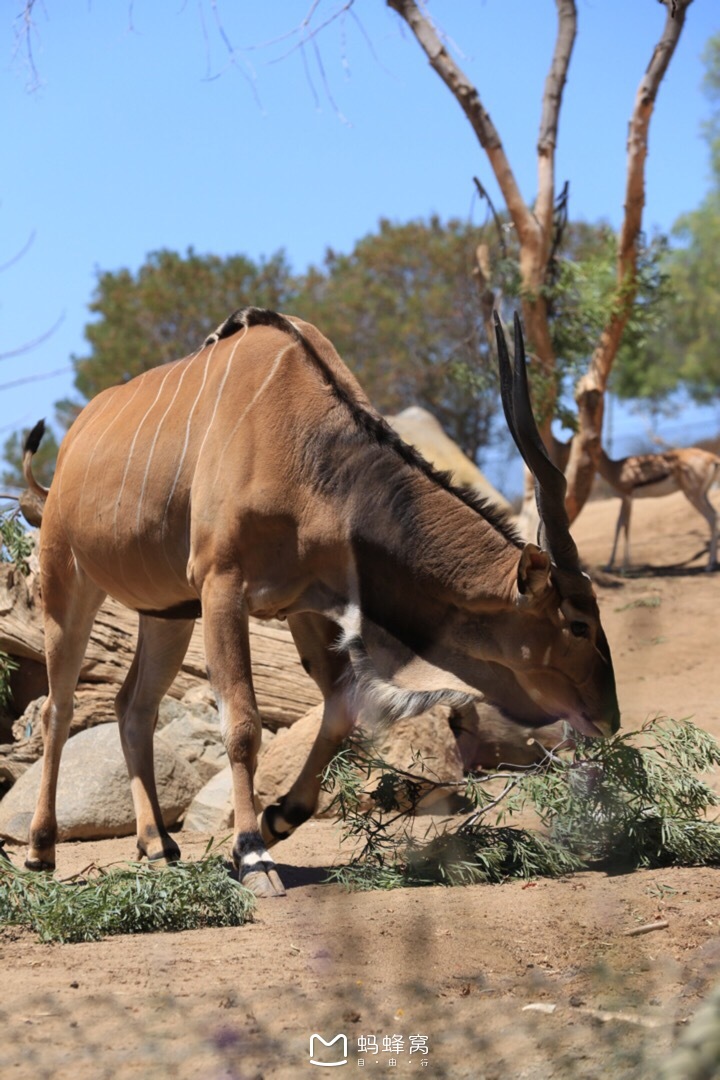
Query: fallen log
point(284, 692)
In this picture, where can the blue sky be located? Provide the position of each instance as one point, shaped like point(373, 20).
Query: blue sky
point(144, 132)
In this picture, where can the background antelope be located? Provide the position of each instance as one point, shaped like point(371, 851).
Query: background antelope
point(254, 477)
point(646, 476)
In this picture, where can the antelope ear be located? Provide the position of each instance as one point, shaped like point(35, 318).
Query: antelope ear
point(533, 572)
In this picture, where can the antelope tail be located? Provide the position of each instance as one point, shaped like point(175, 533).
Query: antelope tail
point(29, 449)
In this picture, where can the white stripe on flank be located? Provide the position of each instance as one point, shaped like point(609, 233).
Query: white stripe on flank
point(219, 394)
point(92, 457)
point(132, 451)
point(258, 394)
point(183, 455)
point(73, 446)
point(149, 462)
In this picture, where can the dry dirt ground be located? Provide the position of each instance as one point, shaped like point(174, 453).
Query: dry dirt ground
point(457, 966)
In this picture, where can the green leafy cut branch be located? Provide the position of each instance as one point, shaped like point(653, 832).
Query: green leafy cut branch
point(15, 544)
point(15, 547)
point(130, 899)
point(634, 800)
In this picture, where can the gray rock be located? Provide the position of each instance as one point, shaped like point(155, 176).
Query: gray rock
point(93, 798)
point(200, 694)
point(191, 705)
point(212, 808)
point(193, 731)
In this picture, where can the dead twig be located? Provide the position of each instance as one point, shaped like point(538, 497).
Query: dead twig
point(646, 929)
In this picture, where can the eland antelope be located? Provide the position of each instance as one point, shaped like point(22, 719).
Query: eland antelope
point(647, 476)
point(254, 478)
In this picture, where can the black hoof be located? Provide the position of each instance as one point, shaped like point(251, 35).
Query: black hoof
point(169, 853)
point(39, 864)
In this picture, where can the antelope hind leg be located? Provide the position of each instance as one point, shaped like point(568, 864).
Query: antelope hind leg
point(70, 604)
point(161, 648)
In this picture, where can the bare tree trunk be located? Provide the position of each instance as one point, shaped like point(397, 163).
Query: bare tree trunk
point(534, 227)
point(590, 391)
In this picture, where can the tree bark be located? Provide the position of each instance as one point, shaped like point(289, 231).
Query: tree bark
point(590, 390)
point(534, 227)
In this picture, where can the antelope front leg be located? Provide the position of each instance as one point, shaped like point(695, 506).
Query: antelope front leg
point(225, 627)
point(315, 638)
point(280, 819)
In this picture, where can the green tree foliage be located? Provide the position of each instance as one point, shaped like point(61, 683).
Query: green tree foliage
point(402, 309)
point(15, 544)
point(711, 85)
point(166, 309)
point(15, 547)
point(584, 295)
point(688, 349)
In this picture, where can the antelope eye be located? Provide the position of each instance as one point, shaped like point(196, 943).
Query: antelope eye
point(579, 629)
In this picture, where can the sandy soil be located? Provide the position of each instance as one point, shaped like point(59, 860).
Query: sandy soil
point(457, 966)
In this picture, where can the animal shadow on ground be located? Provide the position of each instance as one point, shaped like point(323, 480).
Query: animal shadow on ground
point(681, 569)
point(294, 877)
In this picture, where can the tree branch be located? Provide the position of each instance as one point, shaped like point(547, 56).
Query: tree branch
point(469, 100)
point(28, 345)
point(35, 378)
point(498, 223)
point(590, 390)
point(551, 103)
point(637, 146)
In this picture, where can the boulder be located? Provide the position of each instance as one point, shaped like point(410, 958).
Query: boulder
point(93, 798)
point(441, 745)
point(212, 808)
point(201, 694)
point(193, 731)
point(421, 429)
point(427, 738)
point(486, 739)
point(211, 811)
point(280, 764)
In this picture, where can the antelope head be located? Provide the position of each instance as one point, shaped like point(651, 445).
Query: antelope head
point(557, 649)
